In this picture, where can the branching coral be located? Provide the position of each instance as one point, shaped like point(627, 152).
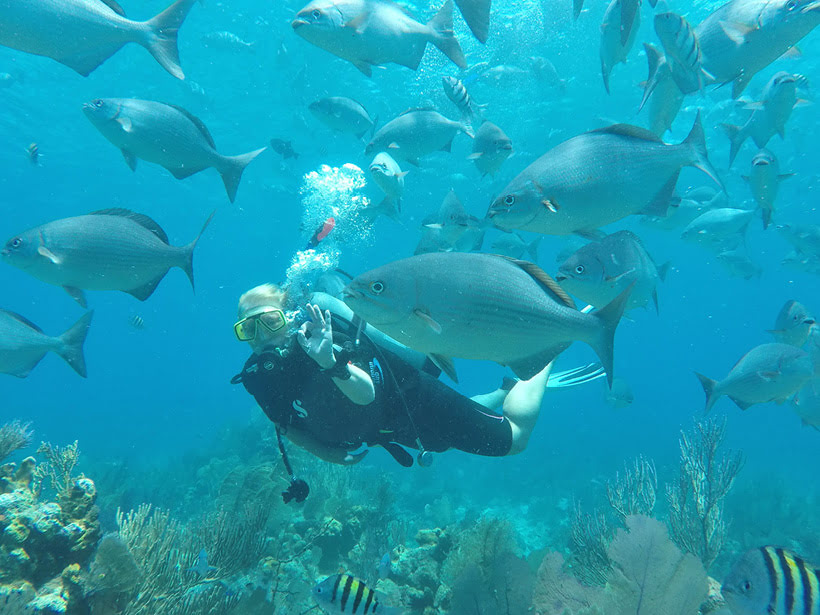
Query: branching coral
point(14, 436)
point(58, 466)
point(590, 537)
point(696, 500)
point(634, 492)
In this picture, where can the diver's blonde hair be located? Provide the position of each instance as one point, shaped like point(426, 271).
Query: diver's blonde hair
point(262, 295)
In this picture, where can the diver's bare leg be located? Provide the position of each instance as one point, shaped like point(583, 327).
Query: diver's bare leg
point(492, 400)
point(522, 407)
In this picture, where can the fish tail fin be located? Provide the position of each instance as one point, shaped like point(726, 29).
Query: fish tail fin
point(709, 387)
point(71, 344)
point(232, 171)
point(653, 59)
point(697, 142)
point(736, 136)
point(608, 317)
point(188, 264)
point(577, 7)
point(441, 30)
point(162, 37)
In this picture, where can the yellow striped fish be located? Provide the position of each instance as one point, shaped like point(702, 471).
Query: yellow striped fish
point(345, 594)
point(772, 581)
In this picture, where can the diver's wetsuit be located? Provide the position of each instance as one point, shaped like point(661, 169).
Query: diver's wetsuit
point(293, 391)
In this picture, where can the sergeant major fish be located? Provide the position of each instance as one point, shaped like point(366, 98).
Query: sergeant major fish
point(681, 45)
point(373, 32)
point(597, 178)
point(344, 115)
point(600, 271)
point(112, 249)
point(483, 307)
point(491, 147)
point(769, 372)
point(458, 95)
point(743, 37)
point(23, 344)
point(167, 135)
point(82, 34)
point(772, 581)
point(341, 594)
point(764, 180)
point(416, 133)
point(793, 324)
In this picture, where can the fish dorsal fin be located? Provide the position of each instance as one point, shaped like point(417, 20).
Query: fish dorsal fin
point(197, 122)
point(114, 7)
point(628, 130)
point(140, 219)
point(23, 320)
point(544, 279)
point(415, 109)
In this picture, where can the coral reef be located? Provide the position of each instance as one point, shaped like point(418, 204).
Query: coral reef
point(634, 492)
point(14, 436)
point(696, 500)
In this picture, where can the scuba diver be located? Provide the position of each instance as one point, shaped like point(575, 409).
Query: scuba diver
point(333, 384)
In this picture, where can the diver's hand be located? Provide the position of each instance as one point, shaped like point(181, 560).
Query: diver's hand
point(319, 346)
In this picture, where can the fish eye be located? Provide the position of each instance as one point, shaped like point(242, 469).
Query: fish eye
point(509, 200)
point(316, 13)
point(376, 288)
point(579, 269)
point(747, 586)
point(16, 242)
point(98, 103)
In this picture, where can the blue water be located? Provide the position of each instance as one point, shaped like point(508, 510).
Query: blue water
point(156, 394)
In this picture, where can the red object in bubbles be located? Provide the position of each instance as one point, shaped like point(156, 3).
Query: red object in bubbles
point(322, 232)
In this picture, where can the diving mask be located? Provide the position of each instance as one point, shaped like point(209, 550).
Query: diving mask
point(271, 318)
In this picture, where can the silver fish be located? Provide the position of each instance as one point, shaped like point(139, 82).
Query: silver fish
point(806, 404)
point(82, 34)
point(451, 219)
point(597, 178)
point(683, 210)
point(112, 249)
point(460, 97)
point(769, 115)
point(620, 394)
point(738, 264)
point(227, 41)
point(600, 271)
point(614, 47)
point(389, 177)
point(546, 74)
point(764, 180)
point(480, 306)
point(805, 238)
point(23, 344)
point(477, 15)
point(769, 372)
point(373, 32)
point(807, 263)
point(794, 324)
point(491, 147)
point(743, 37)
point(166, 135)
point(681, 46)
point(343, 114)
point(514, 246)
point(662, 92)
point(416, 133)
point(723, 228)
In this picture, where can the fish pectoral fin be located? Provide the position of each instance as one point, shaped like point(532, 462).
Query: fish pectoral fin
point(146, 290)
point(401, 174)
point(446, 365)
point(745, 178)
point(740, 403)
point(115, 7)
point(44, 251)
point(475, 156)
point(740, 83)
point(447, 147)
point(357, 23)
point(125, 123)
point(364, 67)
point(551, 205)
point(183, 172)
point(428, 320)
point(659, 206)
point(768, 375)
point(736, 31)
point(130, 159)
point(611, 279)
point(784, 176)
point(77, 294)
point(592, 234)
point(393, 145)
point(413, 161)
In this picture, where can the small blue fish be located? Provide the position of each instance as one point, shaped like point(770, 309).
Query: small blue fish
point(201, 568)
point(385, 566)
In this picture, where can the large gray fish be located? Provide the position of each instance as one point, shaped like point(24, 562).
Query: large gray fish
point(23, 344)
point(743, 37)
point(628, 12)
point(416, 133)
point(614, 46)
point(480, 306)
point(769, 372)
point(772, 581)
point(166, 135)
point(451, 228)
point(343, 114)
point(514, 246)
point(769, 115)
point(794, 324)
point(491, 147)
point(112, 249)
point(597, 178)
point(600, 271)
point(723, 228)
point(662, 92)
point(681, 46)
point(764, 180)
point(738, 263)
point(477, 15)
point(373, 32)
point(82, 34)
point(805, 238)
point(389, 177)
